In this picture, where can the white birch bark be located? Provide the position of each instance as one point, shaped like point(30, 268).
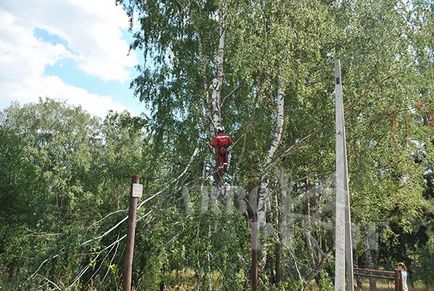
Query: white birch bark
point(309, 227)
point(286, 221)
point(217, 82)
point(263, 192)
point(216, 86)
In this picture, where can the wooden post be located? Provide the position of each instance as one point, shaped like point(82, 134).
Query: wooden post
point(136, 190)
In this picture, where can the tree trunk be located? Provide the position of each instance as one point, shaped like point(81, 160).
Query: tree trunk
point(370, 244)
point(262, 199)
point(277, 263)
point(216, 87)
point(309, 226)
point(262, 193)
point(218, 80)
point(284, 226)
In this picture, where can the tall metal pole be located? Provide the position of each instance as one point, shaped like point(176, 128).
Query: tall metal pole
point(136, 190)
point(343, 240)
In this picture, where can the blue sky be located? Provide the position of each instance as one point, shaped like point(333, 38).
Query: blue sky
point(68, 71)
point(71, 50)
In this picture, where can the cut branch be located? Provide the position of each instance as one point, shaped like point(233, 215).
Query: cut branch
point(169, 185)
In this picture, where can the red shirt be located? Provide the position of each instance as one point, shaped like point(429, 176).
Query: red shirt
point(221, 140)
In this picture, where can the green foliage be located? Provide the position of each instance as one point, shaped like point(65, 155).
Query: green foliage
point(424, 270)
point(65, 175)
point(62, 171)
point(325, 283)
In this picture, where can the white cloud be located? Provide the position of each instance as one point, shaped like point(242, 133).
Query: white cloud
point(92, 30)
point(50, 86)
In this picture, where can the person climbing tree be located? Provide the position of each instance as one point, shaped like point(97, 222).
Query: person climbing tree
point(221, 143)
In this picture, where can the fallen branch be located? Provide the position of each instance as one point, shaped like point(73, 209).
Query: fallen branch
point(110, 246)
point(40, 266)
point(105, 257)
point(105, 217)
point(174, 181)
point(111, 261)
point(49, 281)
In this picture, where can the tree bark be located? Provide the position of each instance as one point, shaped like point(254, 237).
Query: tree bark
point(216, 86)
point(287, 213)
point(370, 244)
point(285, 227)
point(262, 193)
point(217, 82)
point(309, 225)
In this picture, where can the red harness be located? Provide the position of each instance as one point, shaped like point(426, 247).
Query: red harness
point(221, 142)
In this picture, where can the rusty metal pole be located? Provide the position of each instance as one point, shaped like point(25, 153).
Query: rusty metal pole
point(129, 249)
point(397, 276)
point(398, 280)
point(401, 285)
point(255, 250)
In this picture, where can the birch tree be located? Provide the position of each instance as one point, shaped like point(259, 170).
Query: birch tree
point(275, 141)
point(263, 69)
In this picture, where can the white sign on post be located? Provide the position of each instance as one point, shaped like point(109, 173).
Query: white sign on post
point(137, 190)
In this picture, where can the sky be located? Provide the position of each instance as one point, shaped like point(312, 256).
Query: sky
point(70, 50)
